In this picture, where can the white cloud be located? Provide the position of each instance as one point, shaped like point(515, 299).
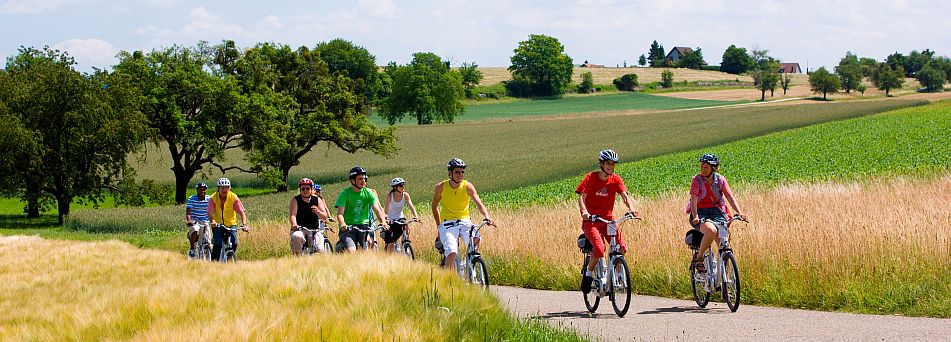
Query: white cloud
point(89, 52)
point(377, 8)
point(31, 6)
point(271, 22)
point(204, 24)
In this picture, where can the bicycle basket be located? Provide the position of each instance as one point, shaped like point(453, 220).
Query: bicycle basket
point(584, 244)
point(693, 238)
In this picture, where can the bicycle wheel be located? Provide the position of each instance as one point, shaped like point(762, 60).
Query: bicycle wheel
point(621, 286)
point(731, 282)
point(591, 299)
point(408, 250)
point(328, 247)
point(231, 257)
point(701, 296)
point(204, 252)
point(480, 273)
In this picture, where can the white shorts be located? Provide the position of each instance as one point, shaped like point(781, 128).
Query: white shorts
point(197, 226)
point(299, 239)
point(452, 230)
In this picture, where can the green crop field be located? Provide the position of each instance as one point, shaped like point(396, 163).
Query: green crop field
point(574, 104)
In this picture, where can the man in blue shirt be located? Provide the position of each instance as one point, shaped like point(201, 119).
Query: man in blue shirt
point(196, 216)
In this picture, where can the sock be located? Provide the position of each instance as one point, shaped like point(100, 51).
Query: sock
point(587, 272)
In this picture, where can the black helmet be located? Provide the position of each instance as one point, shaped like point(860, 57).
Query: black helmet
point(357, 170)
point(201, 185)
point(455, 163)
point(710, 158)
point(608, 155)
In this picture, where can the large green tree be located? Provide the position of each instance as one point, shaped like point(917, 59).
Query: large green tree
point(736, 60)
point(425, 88)
point(765, 72)
point(932, 77)
point(916, 61)
point(887, 77)
point(193, 104)
point(821, 81)
point(849, 71)
point(692, 59)
point(297, 104)
point(656, 55)
point(71, 132)
point(541, 60)
point(356, 63)
point(471, 76)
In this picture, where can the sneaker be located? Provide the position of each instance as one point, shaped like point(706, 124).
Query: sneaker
point(191, 253)
point(586, 284)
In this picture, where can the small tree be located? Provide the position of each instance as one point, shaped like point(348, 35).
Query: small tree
point(931, 77)
point(656, 55)
point(821, 81)
point(642, 60)
point(887, 77)
point(736, 60)
point(849, 72)
point(626, 82)
point(692, 59)
point(587, 83)
point(861, 88)
point(541, 60)
point(471, 76)
point(786, 83)
point(426, 88)
point(766, 78)
point(667, 78)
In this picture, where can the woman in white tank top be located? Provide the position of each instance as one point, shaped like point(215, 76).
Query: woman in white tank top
point(396, 201)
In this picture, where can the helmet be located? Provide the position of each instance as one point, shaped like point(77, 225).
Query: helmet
point(397, 181)
point(201, 185)
point(316, 187)
point(357, 170)
point(454, 163)
point(608, 155)
point(305, 181)
point(710, 158)
point(224, 182)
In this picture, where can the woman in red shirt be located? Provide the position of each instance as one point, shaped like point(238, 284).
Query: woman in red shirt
point(596, 195)
point(707, 208)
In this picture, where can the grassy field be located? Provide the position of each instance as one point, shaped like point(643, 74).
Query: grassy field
point(493, 75)
point(57, 290)
point(906, 141)
point(572, 104)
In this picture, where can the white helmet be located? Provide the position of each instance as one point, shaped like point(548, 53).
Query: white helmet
point(608, 155)
point(397, 181)
point(224, 182)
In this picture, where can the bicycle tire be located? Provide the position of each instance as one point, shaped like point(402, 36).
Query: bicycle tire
point(480, 273)
point(204, 252)
point(732, 300)
point(328, 247)
point(624, 282)
point(591, 299)
point(408, 250)
point(702, 297)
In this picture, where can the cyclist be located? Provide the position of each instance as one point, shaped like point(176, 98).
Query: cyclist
point(396, 202)
point(596, 195)
point(707, 191)
point(224, 208)
point(353, 210)
point(196, 216)
point(450, 205)
point(307, 209)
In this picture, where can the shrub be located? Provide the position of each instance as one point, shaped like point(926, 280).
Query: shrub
point(518, 86)
point(667, 78)
point(587, 83)
point(626, 82)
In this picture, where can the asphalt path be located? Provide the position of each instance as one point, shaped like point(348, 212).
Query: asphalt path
point(665, 319)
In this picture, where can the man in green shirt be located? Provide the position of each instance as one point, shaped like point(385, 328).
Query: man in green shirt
point(353, 210)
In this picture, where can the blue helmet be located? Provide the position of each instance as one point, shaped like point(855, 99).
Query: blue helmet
point(710, 158)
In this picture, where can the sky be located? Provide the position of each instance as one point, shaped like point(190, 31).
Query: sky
point(813, 33)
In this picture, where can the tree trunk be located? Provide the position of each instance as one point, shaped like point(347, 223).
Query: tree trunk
point(33, 202)
point(784, 91)
point(763, 97)
point(182, 177)
point(772, 93)
point(62, 203)
point(823, 95)
point(284, 172)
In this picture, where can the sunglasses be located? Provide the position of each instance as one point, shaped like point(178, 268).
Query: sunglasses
point(306, 188)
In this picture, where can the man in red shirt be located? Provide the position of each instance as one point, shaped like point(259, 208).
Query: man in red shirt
point(596, 195)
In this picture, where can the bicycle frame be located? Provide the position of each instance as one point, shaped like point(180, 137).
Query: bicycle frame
point(601, 270)
point(310, 243)
point(203, 243)
point(226, 246)
point(404, 239)
point(715, 276)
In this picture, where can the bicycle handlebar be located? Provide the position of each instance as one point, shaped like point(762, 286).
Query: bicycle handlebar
point(626, 217)
point(403, 221)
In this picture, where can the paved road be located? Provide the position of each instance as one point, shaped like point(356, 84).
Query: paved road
point(664, 319)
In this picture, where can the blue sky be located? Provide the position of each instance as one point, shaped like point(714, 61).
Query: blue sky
point(604, 32)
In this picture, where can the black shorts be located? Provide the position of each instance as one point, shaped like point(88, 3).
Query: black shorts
point(394, 234)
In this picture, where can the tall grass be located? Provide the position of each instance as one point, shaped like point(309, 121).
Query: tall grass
point(56, 290)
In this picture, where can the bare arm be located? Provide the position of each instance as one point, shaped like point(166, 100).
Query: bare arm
point(412, 207)
point(437, 196)
point(386, 203)
point(293, 213)
point(627, 201)
point(340, 221)
point(188, 215)
point(380, 215)
point(583, 208)
point(322, 212)
point(478, 201)
point(729, 198)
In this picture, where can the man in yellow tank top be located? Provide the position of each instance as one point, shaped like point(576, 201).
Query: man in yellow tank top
point(451, 207)
point(224, 208)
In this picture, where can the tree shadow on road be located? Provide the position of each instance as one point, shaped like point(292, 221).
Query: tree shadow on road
point(683, 309)
point(572, 314)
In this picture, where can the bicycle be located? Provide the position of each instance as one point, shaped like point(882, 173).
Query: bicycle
point(366, 236)
point(619, 273)
point(227, 253)
point(310, 246)
point(473, 269)
point(405, 246)
point(725, 279)
point(203, 245)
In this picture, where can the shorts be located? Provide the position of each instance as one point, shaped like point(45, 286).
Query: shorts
point(712, 214)
point(198, 226)
point(352, 238)
point(394, 234)
point(452, 230)
point(299, 240)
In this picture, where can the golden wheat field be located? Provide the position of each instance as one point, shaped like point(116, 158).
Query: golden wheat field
point(493, 75)
point(66, 291)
